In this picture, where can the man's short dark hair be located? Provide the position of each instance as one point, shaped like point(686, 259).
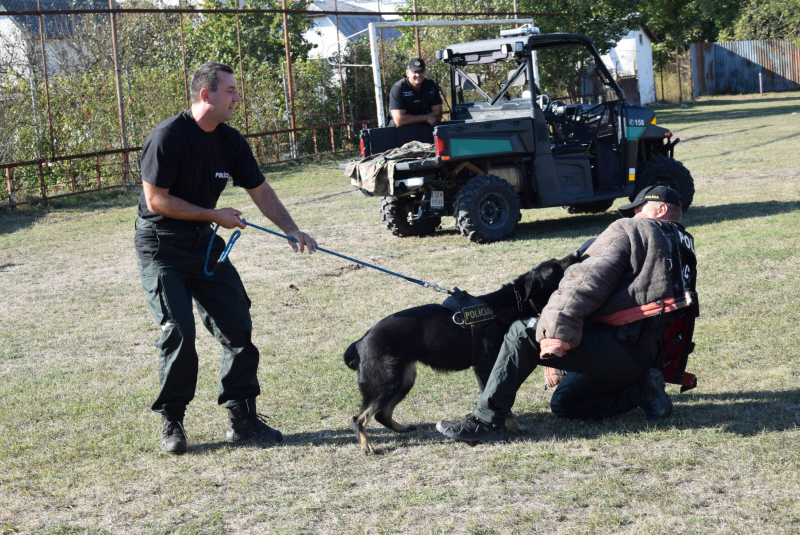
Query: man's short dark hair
point(206, 77)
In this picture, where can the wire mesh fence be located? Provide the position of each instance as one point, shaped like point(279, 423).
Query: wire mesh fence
point(83, 84)
point(672, 75)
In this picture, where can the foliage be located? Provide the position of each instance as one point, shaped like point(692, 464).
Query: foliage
point(682, 22)
point(768, 19)
point(213, 37)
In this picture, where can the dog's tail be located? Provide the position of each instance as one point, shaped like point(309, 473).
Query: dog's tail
point(351, 356)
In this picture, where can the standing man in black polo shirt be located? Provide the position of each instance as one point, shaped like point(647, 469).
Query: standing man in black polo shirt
point(186, 163)
point(415, 99)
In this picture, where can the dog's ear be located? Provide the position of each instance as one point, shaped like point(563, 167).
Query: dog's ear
point(570, 259)
point(533, 284)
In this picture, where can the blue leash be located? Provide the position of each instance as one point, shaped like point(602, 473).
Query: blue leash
point(238, 233)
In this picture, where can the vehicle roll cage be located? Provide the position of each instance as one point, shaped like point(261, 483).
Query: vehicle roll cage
point(521, 49)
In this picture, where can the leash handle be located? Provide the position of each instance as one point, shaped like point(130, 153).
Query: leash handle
point(224, 255)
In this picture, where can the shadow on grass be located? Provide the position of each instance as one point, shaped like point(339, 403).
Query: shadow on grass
point(740, 413)
point(697, 138)
point(323, 437)
point(593, 224)
point(26, 216)
point(747, 112)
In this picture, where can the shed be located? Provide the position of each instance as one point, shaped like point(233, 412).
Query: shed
point(352, 19)
point(631, 64)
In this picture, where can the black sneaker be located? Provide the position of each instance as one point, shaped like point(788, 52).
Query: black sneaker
point(173, 435)
point(245, 424)
point(471, 429)
point(655, 400)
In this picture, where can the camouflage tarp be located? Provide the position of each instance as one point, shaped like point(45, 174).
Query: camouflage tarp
point(375, 173)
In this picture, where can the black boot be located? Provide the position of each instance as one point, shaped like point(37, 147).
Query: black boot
point(246, 424)
point(173, 435)
point(472, 429)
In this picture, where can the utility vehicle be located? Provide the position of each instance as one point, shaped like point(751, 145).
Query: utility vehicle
point(580, 148)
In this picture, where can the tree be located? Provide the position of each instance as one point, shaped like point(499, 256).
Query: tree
point(212, 37)
point(679, 23)
point(768, 19)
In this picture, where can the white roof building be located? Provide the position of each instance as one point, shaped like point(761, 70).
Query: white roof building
point(352, 20)
point(631, 64)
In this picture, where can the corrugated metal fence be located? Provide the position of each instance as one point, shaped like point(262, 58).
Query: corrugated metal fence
point(735, 67)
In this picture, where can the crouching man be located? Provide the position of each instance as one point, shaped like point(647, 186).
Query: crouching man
point(643, 259)
point(186, 163)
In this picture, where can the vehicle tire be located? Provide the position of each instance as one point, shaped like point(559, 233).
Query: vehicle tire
point(596, 207)
point(396, 215)
point(487, 209)
point(666, 172)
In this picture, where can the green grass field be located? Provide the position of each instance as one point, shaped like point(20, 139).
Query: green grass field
point(79, 447)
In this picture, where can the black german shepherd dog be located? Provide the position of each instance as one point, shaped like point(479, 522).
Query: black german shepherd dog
point(386, 355)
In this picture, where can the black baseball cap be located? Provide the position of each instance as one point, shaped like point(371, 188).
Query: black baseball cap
point(651, 193)
point(416, 64)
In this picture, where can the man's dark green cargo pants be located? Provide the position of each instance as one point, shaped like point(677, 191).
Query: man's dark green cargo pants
point(603, 380)
point(171, 267)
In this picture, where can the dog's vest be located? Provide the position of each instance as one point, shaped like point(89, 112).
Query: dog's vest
point(471, 313)
point(467, 310)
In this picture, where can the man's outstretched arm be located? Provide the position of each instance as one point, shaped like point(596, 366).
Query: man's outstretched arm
point(267, 201)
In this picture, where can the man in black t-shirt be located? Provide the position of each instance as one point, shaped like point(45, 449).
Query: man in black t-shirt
point(186, 163)
point(415, 99)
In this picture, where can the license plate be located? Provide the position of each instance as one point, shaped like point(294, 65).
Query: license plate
point(437, 199)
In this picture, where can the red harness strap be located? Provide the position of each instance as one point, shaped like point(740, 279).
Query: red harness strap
point(638, 313)
point(673, 370)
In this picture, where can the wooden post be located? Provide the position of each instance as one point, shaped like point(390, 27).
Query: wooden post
point(691, 77)
point(97, 169)
point(678, 69)
point(10, 182)
point(661, 70)
point(41, 180)
point(333, 143)
point(71, 176)
point(314, 131)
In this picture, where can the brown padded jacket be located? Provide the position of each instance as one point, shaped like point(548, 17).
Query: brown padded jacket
point(628, 265)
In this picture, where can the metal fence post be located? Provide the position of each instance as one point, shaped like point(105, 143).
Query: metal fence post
point(416, 30)
point(289, 77)
point(241, 71)
point(120, 103)
point(339, 59)
point(46, 85)
point(183, 55)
